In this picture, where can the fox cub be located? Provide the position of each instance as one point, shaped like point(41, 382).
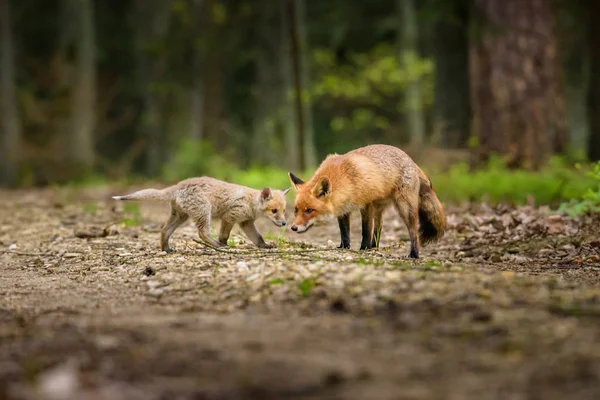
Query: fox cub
point(203, 199)
point(370, 179)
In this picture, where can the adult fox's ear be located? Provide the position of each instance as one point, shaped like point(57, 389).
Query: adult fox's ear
point(295, 180)
point(285, 191)
point(322, 188)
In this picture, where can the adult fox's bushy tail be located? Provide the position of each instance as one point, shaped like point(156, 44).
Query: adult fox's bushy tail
point(432, 220)
point(159, 195)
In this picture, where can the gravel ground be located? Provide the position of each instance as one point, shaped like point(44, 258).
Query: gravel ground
point(506, 306)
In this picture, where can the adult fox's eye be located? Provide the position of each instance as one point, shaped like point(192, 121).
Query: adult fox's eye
point(309, 210)
point(274, 211)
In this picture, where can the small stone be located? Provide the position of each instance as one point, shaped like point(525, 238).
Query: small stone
point(593, 259)
point(157, 292)
point(555, 225)
point(496, 258)
point(61, 382)
point(242, 265)
point(253, 277)
point(482, 316)
point(153, 284)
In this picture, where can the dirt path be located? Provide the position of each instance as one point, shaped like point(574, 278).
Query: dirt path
point(507, 306)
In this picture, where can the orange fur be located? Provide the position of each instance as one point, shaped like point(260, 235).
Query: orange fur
point(377, 176)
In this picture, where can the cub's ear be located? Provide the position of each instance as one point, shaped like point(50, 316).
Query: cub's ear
point(285, 191)
point(295, 180)
point(266, 194)
point(322, 188)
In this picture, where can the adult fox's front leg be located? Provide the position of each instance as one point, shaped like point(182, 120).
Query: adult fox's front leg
point(344, 223)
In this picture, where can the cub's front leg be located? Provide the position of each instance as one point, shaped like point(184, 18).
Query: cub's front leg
point(253, 234)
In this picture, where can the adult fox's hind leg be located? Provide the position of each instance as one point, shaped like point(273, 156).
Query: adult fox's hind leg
point(377, 226)
point(367, 226)
point(175, 220)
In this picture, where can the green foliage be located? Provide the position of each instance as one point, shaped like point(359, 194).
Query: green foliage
point(134, 217)
point(367, 91)
point(195, 158)
point(90, 208)
point(306, 286)
point(495, 183)
point(590, 200)
point(557, 182)
point(259, 177)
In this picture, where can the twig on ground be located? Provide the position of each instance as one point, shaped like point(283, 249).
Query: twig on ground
point(24, 253)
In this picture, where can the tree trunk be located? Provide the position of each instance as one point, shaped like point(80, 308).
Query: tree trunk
point(408, 51)
point(264, 138)
point(299, 49)
point(573, 42)
point(196, 93)
point(593, 145)
point(10, 128)
point(515, 78)
point(291, 134)
point(79, 146)
point(264, 148)
point(451, 54)
point(196, 111)
point(213, 80)
point(152, 18)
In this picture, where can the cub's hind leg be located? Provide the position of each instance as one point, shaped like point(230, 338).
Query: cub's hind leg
point(176, 219)
point(199, 210)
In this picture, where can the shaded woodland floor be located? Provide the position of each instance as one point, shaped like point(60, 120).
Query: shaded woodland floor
point(506, 306)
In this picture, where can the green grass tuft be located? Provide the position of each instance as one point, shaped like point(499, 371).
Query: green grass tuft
point(134, 217)
point(306, 286)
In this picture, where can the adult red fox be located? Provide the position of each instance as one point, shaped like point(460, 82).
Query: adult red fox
point(369, 179)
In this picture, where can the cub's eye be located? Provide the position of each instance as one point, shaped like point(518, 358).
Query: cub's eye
point(296, 210)
point(274, 211)
point(309, 210)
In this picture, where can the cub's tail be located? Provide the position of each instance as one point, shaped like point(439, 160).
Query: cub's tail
point(432, 220)
point(158, 195)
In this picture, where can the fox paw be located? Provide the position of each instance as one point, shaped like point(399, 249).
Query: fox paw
point(266, 246)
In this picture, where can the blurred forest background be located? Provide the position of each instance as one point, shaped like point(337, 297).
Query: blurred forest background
point(496, 97)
